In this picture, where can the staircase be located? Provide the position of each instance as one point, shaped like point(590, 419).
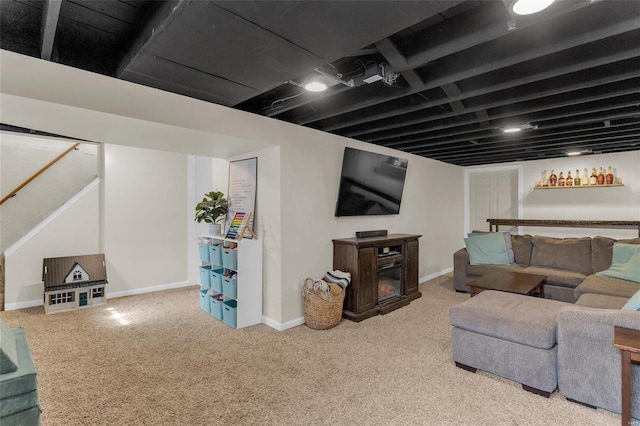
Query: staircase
point(46, 172)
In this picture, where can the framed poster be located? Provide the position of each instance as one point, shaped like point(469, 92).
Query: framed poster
point(243, 175)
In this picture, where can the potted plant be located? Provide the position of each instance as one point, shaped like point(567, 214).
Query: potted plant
point(211, 209)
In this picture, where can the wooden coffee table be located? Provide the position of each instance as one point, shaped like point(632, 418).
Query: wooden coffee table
point(511, 282)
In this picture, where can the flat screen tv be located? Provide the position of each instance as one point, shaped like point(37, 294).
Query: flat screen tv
point(370, 183)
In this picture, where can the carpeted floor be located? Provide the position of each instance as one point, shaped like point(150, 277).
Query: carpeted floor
point(157, 359)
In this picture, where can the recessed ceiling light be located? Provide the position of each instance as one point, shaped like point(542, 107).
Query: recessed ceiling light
point(315, 86)
point(529, 7)
point(511, 129)
point(581, 152)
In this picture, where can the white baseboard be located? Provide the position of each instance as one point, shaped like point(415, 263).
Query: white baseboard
point(268, 321)
point(436, 275)
point(40, 302)
point(22, 305)
point(282, 326)
point(148, 289)
point(293, 323)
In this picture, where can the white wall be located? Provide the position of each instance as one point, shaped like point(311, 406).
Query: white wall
point(73, 231)
point(432, 206)
point(146, 220)
point(615, 203)
point(296, 192)
point(268, 226)
point(23, 155)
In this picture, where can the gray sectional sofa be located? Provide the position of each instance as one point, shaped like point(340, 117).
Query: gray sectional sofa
point(570, 265)
point(565, 343)
point(19, 403)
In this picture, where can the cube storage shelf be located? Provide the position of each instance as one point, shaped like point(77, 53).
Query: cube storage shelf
point(241, 295)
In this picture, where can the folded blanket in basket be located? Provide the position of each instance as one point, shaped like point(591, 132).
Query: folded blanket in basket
point(315, 286)
point(338, 277)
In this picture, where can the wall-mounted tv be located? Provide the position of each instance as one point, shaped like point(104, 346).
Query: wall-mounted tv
point(370, 183)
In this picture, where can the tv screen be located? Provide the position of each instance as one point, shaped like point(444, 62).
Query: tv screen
point(370, 183)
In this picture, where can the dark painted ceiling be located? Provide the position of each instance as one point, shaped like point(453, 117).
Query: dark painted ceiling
point(455, 72)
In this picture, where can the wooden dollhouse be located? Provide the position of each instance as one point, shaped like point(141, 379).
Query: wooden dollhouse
point(74, 282)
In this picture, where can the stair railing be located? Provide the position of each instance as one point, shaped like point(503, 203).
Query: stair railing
point(38, 173)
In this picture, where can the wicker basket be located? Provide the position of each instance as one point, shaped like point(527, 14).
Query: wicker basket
point(322, 312)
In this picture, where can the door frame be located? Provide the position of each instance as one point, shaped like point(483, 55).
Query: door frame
point(467, 171)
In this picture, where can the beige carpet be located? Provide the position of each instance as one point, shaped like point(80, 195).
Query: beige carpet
point(157, 359)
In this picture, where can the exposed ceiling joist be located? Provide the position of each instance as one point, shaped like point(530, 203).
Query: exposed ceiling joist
point(50, 15)
point(397, 61)
point(455, 71)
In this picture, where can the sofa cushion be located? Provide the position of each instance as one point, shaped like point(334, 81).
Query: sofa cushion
point(625, 263)
point(602, 251)
point(573, 254)
point(557, 277)
point(487, 249)
point(633, 304)
point(18, 403)
point(522, 245)
point(30, 416)
point(601, 301)
point(8, 352)
point(482, 270)
point(516, 318)
point(606, 285)
point(507, 241)
point(23, 380)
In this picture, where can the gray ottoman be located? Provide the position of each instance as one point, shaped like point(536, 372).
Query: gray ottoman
point(510, 335)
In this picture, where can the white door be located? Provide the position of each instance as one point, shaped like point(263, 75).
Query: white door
point(492, 195)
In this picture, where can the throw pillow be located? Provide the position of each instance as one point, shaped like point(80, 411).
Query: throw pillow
point(507, 241)
point(488, 249)
point(633, 304)
point(625, 263)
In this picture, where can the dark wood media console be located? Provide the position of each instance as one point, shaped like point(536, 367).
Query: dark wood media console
point(384, 273)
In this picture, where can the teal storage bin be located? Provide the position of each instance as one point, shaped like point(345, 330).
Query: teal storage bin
point(215, 254)
point(215, 278)
point(205, 280)
point(203, 248)
point(229, 313)
point(205, 304)
point(230, 259)
point(216, 308)
point(229, 287)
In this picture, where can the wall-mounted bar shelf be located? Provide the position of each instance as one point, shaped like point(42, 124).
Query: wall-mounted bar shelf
point(578, 187)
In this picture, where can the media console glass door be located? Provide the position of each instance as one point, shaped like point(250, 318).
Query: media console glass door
point(389, 281)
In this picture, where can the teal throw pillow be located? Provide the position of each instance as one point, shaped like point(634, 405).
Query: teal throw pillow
point(625, 263)
point(633, 304)
point(507, 241)
point(488, 249)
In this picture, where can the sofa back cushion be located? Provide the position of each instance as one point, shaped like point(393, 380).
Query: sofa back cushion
point(8, 351)
point(573, 254)
point(602, 251)
point(522, 245)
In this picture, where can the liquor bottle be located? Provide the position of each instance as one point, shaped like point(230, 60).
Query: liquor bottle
point(600, 177)
point(593, 179)
point(569, 181)
point(585, 177)
point(577, 181)
point(545, 178)
point(609, 176)
point(561, 180)
point(553, 179)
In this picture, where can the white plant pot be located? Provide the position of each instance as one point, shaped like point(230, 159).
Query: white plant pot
point(215, 229)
